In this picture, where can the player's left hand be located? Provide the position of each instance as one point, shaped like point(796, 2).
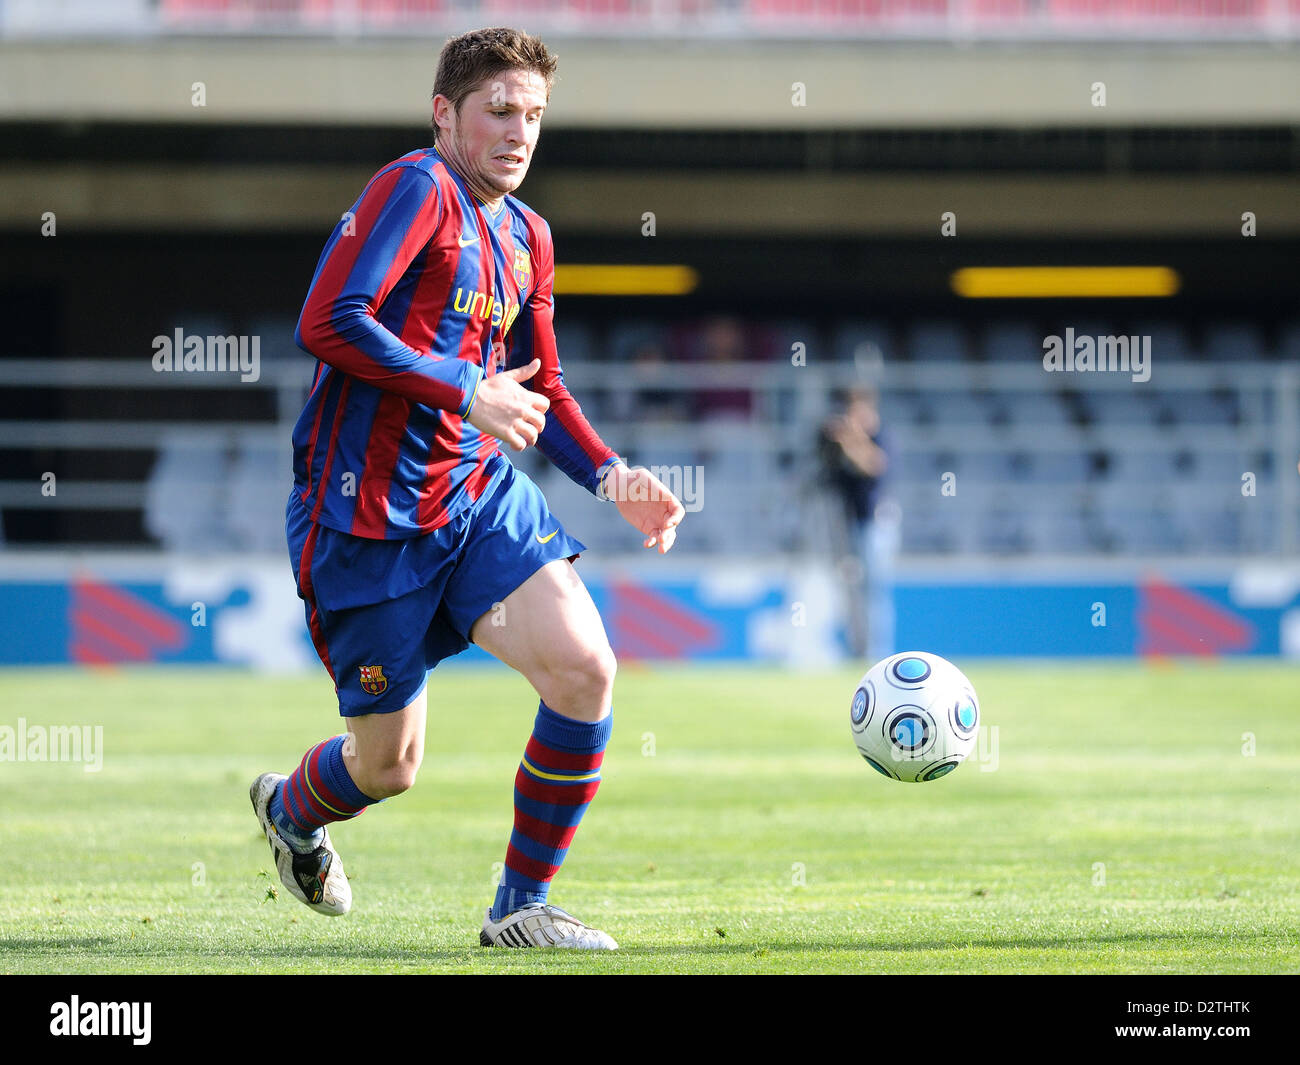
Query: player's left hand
point(646, 504)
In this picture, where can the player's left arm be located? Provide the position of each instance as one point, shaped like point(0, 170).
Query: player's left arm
point(568, 439)
point(645, 503)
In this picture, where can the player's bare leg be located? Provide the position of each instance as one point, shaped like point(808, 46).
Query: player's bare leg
point(550, 631)
point(381, 755)
point(387, 749)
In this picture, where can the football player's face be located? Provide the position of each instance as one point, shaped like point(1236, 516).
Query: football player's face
point(493, 137)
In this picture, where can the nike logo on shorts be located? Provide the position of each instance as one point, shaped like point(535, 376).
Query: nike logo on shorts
point(545, 539)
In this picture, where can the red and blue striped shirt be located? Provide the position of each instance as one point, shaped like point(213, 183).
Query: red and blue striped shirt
point(420, 293)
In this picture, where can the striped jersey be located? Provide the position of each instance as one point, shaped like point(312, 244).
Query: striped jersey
point(420, 293)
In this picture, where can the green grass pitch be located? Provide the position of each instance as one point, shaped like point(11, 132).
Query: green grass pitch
point(1124, 826)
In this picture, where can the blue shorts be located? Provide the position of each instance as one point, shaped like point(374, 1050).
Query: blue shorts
point(382, 613)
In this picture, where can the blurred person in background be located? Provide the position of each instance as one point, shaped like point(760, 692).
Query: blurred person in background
point(650, 366)
point(721, 341)
point(854, 454)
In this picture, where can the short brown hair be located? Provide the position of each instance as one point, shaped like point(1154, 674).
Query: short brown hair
point(472, 58)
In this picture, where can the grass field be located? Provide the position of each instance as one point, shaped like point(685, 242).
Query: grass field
point(1121, 828)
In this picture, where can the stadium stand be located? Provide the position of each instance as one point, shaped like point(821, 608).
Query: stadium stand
point(1098, 467)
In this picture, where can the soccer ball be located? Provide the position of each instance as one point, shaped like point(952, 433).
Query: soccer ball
point(914, 716)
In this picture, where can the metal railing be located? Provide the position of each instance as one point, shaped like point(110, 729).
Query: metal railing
point(757, 472)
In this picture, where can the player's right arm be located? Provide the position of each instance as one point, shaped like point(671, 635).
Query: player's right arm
point(504, 408)
point(396, 216)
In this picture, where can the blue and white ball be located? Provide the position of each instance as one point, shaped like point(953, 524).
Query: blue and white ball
point(914, 716)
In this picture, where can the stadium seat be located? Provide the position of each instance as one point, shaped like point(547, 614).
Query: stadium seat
point(1215, 529)
point(1013, 342)
point(904, 408)
point(1221, 468)
point(1147, 532)
point(260, 477)
point(1200, 408)
point(1057, 530)
point(925, 465)
point(1233, 342)
point(937, 342)
point(1112, 406)
point(967, 409)
point(275, 337)
point(1002, 525)
point(186, 498)
point(628, 337)
point(849, 340)
point(1072, 467)
point(1156, 467)
point(1288, 347)
point(733, 462)
point(1169, 341)
point(783, 335)
point(987, 467)
point(1044, 410)
point(926, 529)
point(574, 340)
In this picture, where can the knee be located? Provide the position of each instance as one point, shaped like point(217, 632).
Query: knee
point(595, 670)
point(585, 677)
point(384, 777)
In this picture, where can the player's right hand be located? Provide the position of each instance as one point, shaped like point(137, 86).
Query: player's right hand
point(504, 408)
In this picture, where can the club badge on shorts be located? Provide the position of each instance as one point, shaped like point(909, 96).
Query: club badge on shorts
point(373, 681)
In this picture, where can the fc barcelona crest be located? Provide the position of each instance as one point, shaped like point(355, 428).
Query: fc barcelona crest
point(373, 681)
point(523, 272)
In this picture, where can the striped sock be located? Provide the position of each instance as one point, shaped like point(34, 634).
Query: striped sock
point(556, 781)
point(319, 791)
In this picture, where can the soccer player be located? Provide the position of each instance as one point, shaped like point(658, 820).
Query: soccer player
point(410, 533)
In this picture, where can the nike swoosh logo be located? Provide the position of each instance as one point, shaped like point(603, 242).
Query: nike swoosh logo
point(545, 539)
point(460, 239)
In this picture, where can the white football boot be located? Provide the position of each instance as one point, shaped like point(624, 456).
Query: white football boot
point(316, 879)
point(542, 925)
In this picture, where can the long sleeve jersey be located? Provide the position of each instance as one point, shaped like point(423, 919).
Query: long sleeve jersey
point(420, 293)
